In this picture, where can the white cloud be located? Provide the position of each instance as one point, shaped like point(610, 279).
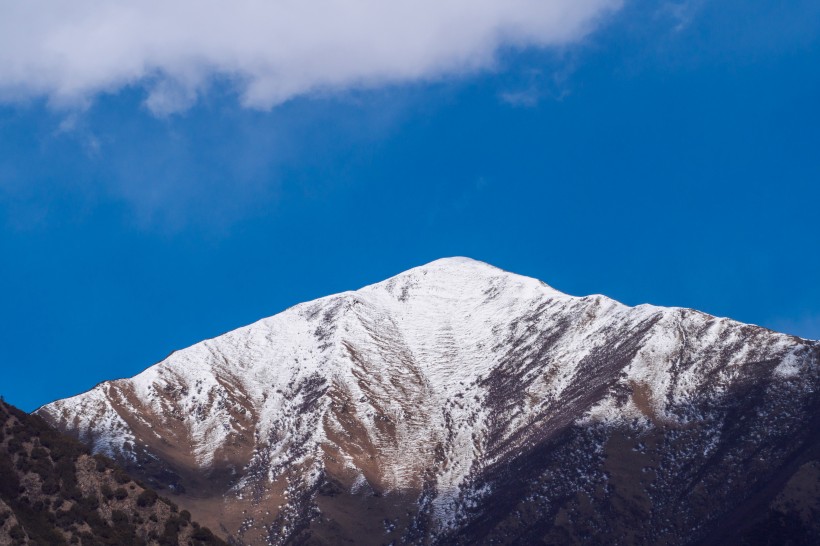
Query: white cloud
point(270, 51)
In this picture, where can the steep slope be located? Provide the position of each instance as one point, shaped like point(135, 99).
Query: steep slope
point(457, 402)
point(53, 492)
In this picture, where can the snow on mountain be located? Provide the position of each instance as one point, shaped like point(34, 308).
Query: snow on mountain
point(415, 388)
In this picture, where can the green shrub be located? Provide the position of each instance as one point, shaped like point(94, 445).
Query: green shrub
point(106, 491)
point(73, 493)
point(203, 534)
point(9, 482)
point(50, 486)
point(102, 462)
point(66, 518)
point(170, 535)
point(174, 508)
point(89, 504)
point(147, 498)
point(67, 473)
point(121, 477)
point(118, 517)
point(17, 533)
point(14, 445)
point(24, 464)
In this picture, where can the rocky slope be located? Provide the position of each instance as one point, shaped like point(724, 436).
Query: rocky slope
point(52, 492)
point(458, 403)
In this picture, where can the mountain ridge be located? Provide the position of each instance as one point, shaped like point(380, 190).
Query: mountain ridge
point(413, 389)
point(445, 260)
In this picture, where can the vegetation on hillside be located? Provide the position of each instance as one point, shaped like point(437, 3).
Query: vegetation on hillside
point(53, 492)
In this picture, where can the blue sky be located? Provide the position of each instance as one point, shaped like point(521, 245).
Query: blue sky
point(664, 152)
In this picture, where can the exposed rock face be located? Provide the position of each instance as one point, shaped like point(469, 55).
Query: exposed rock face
point(459, 403)
point(53, 492)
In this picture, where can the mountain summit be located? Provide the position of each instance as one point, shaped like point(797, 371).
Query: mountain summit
point(459, 403)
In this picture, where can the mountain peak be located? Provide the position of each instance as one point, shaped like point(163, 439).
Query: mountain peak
point(455, 261)
point(456, 278)
point(459, 265)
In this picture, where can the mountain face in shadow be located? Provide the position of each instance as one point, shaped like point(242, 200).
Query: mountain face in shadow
point(460, 404)
point(52, 492)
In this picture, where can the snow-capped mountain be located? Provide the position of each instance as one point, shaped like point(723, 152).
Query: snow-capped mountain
point(457, 403)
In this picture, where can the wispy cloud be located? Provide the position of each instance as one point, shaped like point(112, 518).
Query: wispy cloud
point(270, 51)
point(526, 98)
point(681, 12)
point(536, 85)
point(208, 170)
